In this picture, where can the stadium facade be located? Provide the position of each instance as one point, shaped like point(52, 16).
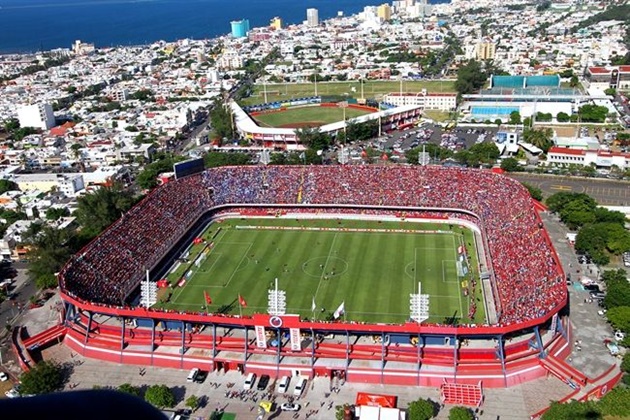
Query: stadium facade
point(527, 335)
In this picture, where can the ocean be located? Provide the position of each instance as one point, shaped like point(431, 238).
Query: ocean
point(32, 25)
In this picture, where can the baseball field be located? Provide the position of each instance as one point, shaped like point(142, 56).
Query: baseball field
point(371, 267)
point(372, 89)
point(313, 116)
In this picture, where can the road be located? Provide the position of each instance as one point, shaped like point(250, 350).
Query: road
point(22, 289)
point(604, 191)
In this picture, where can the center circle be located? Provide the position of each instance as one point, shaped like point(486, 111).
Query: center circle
point(330, 266)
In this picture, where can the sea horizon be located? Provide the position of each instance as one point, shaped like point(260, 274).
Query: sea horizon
point(42, 25)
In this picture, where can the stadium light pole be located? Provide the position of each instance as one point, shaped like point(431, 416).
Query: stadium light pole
point(265, 89)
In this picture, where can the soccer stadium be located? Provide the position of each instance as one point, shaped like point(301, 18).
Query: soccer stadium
point(274, 124)
point(425, 276)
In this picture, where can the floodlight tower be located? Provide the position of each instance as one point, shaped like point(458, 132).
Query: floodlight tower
point(277, 301)
point(419, 306)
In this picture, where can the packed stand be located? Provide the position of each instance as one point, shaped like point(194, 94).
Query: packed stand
point(526, 273)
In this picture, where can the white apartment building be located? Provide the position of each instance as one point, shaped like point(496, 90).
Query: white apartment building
point(37, 116)
point(230, 60)
point(438, 101)
point(71, 184)
point(312, 17)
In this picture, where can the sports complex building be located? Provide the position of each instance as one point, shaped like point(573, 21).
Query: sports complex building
point(286, 138)
point(528, 95)
point(515, 274)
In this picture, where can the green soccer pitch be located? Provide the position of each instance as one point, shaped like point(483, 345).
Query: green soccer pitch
point(371, 89)
point(308, 115)
point(332, 261)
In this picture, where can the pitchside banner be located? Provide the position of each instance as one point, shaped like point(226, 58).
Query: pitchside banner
point(296, 341)
point(261, 339)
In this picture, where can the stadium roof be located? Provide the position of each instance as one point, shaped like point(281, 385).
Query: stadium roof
point(246, 123)
point(552, 81)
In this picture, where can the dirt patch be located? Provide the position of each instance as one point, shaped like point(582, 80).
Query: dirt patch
point(303, 124)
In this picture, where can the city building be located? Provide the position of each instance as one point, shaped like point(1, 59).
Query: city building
point(312, 17)
point(71, 184)
point(37, 116)
point(424, 100)
point(485, 50)
point(276, 23)
point(600, 158)
point(616, 77)
point(240, 28)
point(384, 11)
point(82, 48)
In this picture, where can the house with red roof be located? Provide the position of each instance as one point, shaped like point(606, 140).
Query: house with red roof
point(601, 158)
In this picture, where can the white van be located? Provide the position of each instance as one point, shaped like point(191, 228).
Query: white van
point(249, 382)
point(299, 387)
point(192, 375)
point(284, 384)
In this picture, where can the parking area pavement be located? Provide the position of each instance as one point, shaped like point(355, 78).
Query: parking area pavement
point(589, 353)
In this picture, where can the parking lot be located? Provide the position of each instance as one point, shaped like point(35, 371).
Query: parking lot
point(400, 141)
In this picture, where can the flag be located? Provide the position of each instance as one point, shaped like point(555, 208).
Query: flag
point(241, 301)
point(340, 310)
point(206, 296)
point(313, 306)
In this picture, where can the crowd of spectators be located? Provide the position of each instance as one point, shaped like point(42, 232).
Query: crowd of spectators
point(527, 278)
point(114, 263)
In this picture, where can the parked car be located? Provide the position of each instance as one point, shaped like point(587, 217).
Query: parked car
point(262, 382)
point(290, 407)
point(3, 377)
point(597, 295)
point(201, 376)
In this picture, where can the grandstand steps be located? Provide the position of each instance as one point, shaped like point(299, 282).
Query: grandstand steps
point(45, 337)
point(563, 371)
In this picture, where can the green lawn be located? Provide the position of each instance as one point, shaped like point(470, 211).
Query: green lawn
point(316, 115)
point(371, 89)
point(373, 272)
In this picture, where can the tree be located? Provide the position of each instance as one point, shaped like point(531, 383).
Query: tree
point(130, 389)
point(460, 413)
point(435, 151)
point(6, 185)
point(535, 192)
point(215, 159)
point(625, 362)
point(572, 410)
point(541, 138)
point(56, 213)
point(313, 138)
point(44, 378)
point(160, 396)
point(192, 402)
point(619, 318)
point(162, 162)
point(616, 403)
point(515, 118)
point(593, 113)
point(49, 249)
point(511, 165)
point(563, 117)
point(221, 120)
point(422, 409)
point(470, 78)
point(617, 289)
point(98, 210)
